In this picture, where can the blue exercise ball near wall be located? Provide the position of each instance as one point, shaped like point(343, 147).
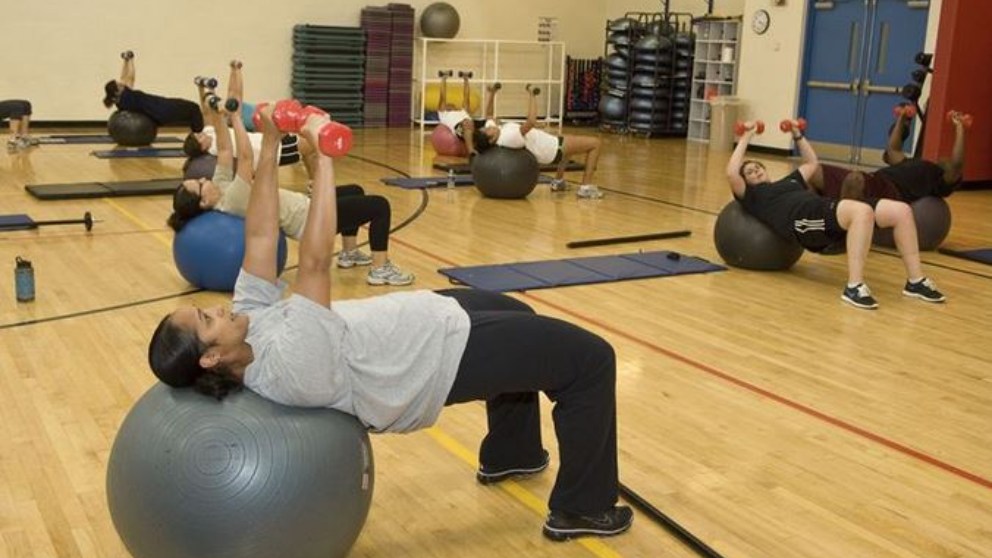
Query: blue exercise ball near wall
point(191, 476)
point(209, 250)
point(439, 21)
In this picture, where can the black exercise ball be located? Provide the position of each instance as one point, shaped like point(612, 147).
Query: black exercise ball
point(132, 129)
point(201, 166)
point(744, 241)
point(933, 222)
point(505, 173)
point(439, 21)
point(612, 107)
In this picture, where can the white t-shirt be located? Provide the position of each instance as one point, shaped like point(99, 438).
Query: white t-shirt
point(388, 360)
point(235, 193)
point(253, 137)
point(452, 118)
point(542, 145)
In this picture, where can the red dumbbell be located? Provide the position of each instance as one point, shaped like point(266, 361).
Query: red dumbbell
point(741, 127)
point(909, 111)
point(787, 125)
point(966, 119)
point(334, 139)
point(287, 116)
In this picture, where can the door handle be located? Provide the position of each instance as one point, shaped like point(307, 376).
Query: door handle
point(839, 85)
point(867, 88)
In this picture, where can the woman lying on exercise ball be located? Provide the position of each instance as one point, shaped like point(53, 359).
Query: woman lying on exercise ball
point(548, 149)
point(230, 188)
point(790, 208)
point(394, 361)
point(162, 110)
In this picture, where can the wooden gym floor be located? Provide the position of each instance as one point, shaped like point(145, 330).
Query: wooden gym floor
point(755, 409)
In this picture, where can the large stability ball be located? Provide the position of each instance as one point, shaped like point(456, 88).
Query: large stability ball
point(445, 142)
point(501, 172)
point(190, 476)
point(439, 21)
point(131, 129)
point(201, 166)
point(209, 250)
point(933, 223)
point(744, 241)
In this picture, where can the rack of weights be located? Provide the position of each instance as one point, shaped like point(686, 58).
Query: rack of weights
point(582, 83)
point(328, 70)
point(647, 74)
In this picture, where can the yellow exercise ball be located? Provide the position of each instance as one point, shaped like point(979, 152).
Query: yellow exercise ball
point(432, 96)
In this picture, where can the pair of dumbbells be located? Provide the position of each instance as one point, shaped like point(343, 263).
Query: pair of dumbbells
point(904, 109)
point(127, 55)
point(785, 125)
point(532, 90)
point(966, 119)
point(290, 116)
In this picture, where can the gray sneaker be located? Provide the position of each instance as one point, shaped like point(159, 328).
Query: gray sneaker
point(559, 185)
point(389, 274)
point(589, 192)
point(925, 289)
point(351, 258)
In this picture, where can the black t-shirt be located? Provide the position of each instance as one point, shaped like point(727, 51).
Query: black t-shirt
point(163, 110)
point(916, 178)
point(780, 204)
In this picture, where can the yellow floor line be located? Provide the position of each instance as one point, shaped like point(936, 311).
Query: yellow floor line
point(137, 221)
point(536, 504)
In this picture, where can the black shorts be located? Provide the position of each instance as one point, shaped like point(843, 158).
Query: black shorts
point(14, 109)
point(560, 153)
point(816, 238)
point(290, 153)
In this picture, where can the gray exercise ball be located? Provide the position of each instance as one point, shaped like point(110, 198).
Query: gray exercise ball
point(201, 166)
point(190, 476)
point(505, 173)
point(744, 241)
point(131, 129)
point(439, 21)
point(933, 223)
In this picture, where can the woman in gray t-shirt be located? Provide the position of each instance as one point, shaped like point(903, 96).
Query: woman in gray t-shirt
point(394, 361)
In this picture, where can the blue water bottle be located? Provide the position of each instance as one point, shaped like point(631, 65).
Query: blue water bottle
point(24, 280)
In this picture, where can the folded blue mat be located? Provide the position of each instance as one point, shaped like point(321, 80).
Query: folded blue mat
point(525, 276)
point(139, 152)
point(983, 255)
point(439, 181)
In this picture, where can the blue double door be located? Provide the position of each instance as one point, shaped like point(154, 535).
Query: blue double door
point(859, 54)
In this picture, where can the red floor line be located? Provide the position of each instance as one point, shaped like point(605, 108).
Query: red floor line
point(891, 444)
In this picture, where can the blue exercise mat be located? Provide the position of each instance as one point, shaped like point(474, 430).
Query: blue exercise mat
point(93, 138)
point(526, 276)
point(983, 255)
point(139, 152)
point(439, 181)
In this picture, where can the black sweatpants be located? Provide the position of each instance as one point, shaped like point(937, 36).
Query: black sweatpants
point(512, 354)
point(355, 208)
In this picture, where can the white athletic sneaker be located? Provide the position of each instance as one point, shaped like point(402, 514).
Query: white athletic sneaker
point(351, 258)
point(389, 274)
point(589, 192)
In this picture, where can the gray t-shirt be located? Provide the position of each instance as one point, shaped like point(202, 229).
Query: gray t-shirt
point(389, 360)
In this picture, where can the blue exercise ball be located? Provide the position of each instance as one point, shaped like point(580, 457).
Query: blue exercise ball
point(190, 476)
point(209, 250)
point(440, 21)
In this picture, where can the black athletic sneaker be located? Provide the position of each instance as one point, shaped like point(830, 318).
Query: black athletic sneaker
point(924, 289)
point(562, 526)
point(860, 296)
point(492, 476)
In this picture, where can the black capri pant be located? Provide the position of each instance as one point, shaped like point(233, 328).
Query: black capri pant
point(511, 355)
point(355, 209)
